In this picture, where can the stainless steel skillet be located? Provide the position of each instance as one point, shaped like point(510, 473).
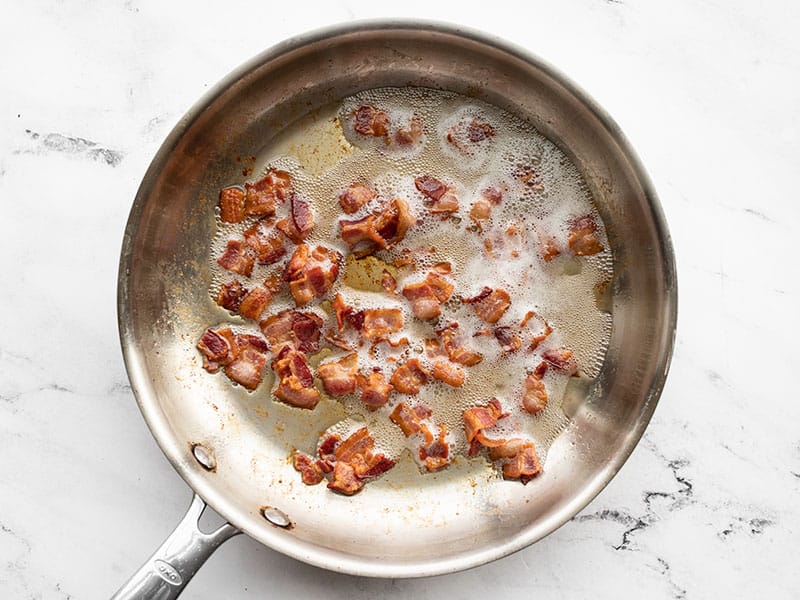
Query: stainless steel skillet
point(231, 447)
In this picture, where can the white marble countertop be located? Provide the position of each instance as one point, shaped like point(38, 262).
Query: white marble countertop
point(709, 95)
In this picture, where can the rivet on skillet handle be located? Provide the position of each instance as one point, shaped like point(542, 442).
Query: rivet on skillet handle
point(173, 565)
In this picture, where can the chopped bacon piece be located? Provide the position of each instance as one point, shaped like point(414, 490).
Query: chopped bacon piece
point(539, 338)
point(377, 466)
point(408, 377)
point(507, 448)
point(583, 236)
point(298, 225)
point(459, 354)
point(509, 341)
point(494, 193)
point(265, 242)
point(231, 204)
point(380, 230)
point(355, 196)
point(261, 196)
point(300, 329)
point(443, 197)
point(435, 349)
point(388, 282)
point(549, 248)
point(406, 136)
point(311, 273)
point(408, 419)
point(231, 294)
point(430, 187)
point(359, 442)
point(237, 258)
point(374, 389)
point(339, 377)
point(379, 322)
point(255, 303)
point(524, 465)
point(370, 121)
point(469, 131)
point(435, 454)
point(478, 418)
point(481, 211)
point(534, 399)
point(490, 304)
point(327, 446)
point(344, 480)
point(296, 386)
point(561, 360)
point(347, 315)
point(311, 471)
point(528, 176)
point(427, 296)
point(448, 373)
point(247, 367)
point(217, 348)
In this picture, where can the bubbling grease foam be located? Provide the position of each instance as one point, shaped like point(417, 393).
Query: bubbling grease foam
point(562, 291)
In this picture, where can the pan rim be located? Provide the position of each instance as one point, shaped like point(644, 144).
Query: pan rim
point(307, 552)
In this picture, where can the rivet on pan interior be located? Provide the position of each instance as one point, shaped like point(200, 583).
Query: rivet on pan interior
point(276, 517)
point(205, 456)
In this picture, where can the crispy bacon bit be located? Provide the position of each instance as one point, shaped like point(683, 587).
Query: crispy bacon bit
point(255, 303)
point(382, 229)
point(534, 399)
point(478, 418)
point(459, 354)
point(388, 282)
point(529, 176)
point(561, 360)
point(355, 196)
point(231, 204)
point(506, 448)
point(524, 465)
point(427, 296)
point(339, 377)
point(356, 461)
point(435, 454)
point(380, 322)
point(430, 187)
point(296, 386)
point(469, 131)
point(583, 236)
point(374, 389)
point(445, 371)
point(347, 315)
point(344, 480)
point(298, 225)
point(301, 330)
point(311, 273)
point(490, 304)
point(481, 211)
point(265, 242)
point(509, 341)
point(548, 248)
point(409, 419)
point(261, 196)
point(406, 136)
point(327, 446)
point(230, 295)
point(434, 349)
point(370, 121)
point(408, 377)
point(248, 364)
point(237, 258)
point(539, 338)
point(217, 348)
point(443, 198)
point(311, 471)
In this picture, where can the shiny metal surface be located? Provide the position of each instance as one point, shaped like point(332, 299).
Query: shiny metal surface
point(164, 575)
point(404, 524)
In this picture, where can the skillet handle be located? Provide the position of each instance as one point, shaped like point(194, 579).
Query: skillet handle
point(172, 566)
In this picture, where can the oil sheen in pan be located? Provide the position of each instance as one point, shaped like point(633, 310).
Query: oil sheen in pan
point(325, 155)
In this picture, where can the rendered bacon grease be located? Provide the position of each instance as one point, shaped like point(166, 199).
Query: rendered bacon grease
point(436, 266)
